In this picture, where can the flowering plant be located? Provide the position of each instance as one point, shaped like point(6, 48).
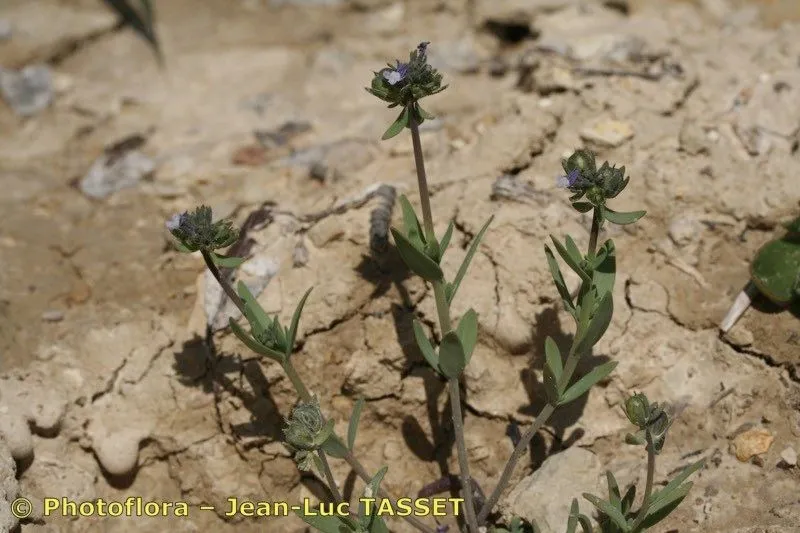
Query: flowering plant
point(313, 439)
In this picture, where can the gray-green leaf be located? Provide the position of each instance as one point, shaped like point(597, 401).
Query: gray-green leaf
point(425, 345)
point(586, 382)
point(397, 126)
point(325, 524)
point(253, 344)
point(452, 359)
point(467, 330)
point(295, 321)
point(573, 262)
point(226, 262)
point(416, 260)
point(597, 325)
point(606, 508)
point(352, 428)
point(623, 218)
point(558, 278)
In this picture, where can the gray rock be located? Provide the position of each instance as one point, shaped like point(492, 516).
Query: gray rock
point(113, 172)
point(546, 495)
point(53, 315)
point(455, 56)
point(28, 91)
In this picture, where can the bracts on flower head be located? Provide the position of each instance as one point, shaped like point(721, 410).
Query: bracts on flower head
point(197, 231)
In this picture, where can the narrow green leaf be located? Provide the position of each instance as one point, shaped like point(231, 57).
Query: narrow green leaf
point(181, 247)
point(605, 272)
point(558, 278)
point(553, 358)
point(586, 382)
point(586, 524)
point(253, 344)
point(325, 524)
point(335, 447)
point(636, 439)
point(415, 260)
point(413, 230)
point(281, 334)
point(446, 238)
point(568, 259)
point(467, 330)
point(318, 463)
point(295, 322)
point(610, 511)
point(627, 500)
point(657, 513)
point(582, 207)
point(352, 428)
point(673, 485)
point(397, 126)
point(597, 325)
point(572, 249)
point(552, 386)
point(257, 313)
point(371, 491)
point(622, 218)
point(587, 299)
point(425, 345)
point(462, 271)
point(452, 359)
point(613, 491)
point(572, 521)
point(424, 114)
point(226, 262)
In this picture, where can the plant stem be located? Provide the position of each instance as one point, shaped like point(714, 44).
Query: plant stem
point(648, 487)
point(569, 368)
point(304, 395)
point(443, 311)
point(326, 468)
point(223, 282)
point(595, 232)
point(422, 180)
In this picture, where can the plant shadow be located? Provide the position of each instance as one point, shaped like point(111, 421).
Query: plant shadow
point(548, 325)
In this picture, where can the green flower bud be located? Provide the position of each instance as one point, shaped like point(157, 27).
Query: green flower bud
point(612, 180)
point(582, 161)
point(305, 426)
point(637, 409)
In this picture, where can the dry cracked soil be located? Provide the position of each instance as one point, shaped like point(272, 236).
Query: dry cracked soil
point(119, 379)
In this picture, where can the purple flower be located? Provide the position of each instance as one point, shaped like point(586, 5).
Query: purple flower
point(570, 180)
point(174, 222)
point(442, 528)
point(397, 74)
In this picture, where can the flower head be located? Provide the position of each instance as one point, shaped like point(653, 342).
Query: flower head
point(405, 83)
point(197, 231)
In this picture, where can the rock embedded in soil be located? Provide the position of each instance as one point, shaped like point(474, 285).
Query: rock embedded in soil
point(789, 456)
point(118, 453)
point(751, 443)
point(28, 91)
point(607, 133)
point(545, 494)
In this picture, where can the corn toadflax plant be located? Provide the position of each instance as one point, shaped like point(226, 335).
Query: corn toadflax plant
point(313, 439)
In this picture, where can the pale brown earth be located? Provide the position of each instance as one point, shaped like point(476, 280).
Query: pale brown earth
point(709, 138)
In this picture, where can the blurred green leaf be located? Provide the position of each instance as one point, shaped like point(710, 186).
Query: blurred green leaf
point(397, 126)
point(446, 238)
point(605, 272)
point(622, 218)
point(467, 330)
point(573, 262)
point(586, 382)
point(413, 230)
point(597, 325)
point(352, 428)
point(609, 510)
point(425, 345)
point(558, 278)
point(253, 344)
point(141, 20)
point(452, 359)
point(295, 322)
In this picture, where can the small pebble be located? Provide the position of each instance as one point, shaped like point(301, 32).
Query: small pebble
point(751, 443)
point(789, 456)
point(53, 315)
point(28, 91)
